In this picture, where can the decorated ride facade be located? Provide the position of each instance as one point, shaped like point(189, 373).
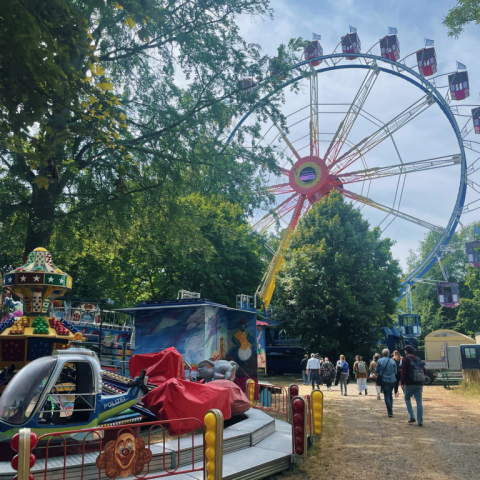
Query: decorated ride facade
point(34, 335)
point(200, 330)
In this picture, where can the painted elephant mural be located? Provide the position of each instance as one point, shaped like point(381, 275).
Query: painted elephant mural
point(218, 370)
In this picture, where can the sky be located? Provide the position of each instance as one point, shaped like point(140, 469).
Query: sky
point(430, 195)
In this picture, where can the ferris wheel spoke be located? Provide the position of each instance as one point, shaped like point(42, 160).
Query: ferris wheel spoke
point(284, 171)
point(347, 123)
point(279, 211)
point(284, 137)
point(280, 189)
point(385, 131)
point(400, 169)
point(314, 143)
point(267, 286)
point(391, 211)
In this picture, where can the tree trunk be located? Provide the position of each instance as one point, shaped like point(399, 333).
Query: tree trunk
point(40, 218)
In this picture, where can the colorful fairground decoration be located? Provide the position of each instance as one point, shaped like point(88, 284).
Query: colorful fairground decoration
point(33, 335)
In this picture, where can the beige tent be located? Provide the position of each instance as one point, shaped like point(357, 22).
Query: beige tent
point(436, 343)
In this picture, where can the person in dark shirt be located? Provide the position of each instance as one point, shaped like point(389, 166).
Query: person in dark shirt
point(303, 366)
point(411, 389)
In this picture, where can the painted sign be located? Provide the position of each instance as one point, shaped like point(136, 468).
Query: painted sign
point(124, 457)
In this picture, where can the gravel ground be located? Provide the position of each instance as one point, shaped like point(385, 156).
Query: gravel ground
point(361, 442)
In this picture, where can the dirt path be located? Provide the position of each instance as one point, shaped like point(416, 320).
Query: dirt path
point(361, 442)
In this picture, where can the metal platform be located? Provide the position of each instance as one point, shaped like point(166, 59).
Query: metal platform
point(266, 446)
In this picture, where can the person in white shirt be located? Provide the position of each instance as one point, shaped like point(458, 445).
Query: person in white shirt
point(313, 367)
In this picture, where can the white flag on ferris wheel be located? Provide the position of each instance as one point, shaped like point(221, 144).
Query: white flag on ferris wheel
point(352, 29)
point(429, 43)
point(392, 30)
point(461, 66)
point(316, 36)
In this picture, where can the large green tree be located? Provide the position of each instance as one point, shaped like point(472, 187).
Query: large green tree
point(149, 250)
point(101, 100)
point(338, 282)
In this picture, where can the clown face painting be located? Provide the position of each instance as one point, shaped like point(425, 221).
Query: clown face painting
point(123, 457)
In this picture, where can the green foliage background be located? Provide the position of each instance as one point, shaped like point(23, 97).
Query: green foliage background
point(338, 282)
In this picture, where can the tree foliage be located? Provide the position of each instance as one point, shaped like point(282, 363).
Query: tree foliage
point(338, 282)
point(150, 250)
point(464, 12)
point(123, 97)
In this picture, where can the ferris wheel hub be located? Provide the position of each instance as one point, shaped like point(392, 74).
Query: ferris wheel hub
point(309, 176)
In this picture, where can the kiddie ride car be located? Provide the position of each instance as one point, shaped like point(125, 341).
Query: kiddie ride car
point(69, 391)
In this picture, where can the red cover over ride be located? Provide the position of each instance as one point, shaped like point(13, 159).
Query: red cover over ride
point(158, 366)
point(178, 398)
point(238, 401)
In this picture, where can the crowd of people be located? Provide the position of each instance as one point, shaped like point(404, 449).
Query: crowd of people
point(386, 372)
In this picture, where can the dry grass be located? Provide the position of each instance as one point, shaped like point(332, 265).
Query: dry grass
point(468, 389)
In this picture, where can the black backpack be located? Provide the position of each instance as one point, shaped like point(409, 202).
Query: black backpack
point(416, 372)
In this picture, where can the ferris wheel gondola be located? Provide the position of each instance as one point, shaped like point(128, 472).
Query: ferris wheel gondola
point(313, 176)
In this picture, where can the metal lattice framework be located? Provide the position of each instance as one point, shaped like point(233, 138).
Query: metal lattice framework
point(313, 177)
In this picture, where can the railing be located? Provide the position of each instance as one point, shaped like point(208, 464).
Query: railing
point(269, 398)
point(145, 451)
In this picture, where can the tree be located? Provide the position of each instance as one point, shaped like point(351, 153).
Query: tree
point(119, 97)
point(338, 282)
point(148, 250)
point(464, 12)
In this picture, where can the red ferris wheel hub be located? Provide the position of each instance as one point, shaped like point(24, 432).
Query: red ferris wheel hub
point(309, 175)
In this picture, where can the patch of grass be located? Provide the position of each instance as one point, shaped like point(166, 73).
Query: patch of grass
point(468, 389)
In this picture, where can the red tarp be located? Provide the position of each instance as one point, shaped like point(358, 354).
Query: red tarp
point(181, 399)
point(238, 401)
point(176, 397)
point(159, 366)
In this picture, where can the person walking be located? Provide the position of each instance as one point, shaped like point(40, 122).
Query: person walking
point(361, 374)
point(398, 360)
point(342, 367)
point(320, 360)
point(327, 369)
point(313, 368)
point(412, 385)
point(303, 366)
point(373, 375)
point(386, 369)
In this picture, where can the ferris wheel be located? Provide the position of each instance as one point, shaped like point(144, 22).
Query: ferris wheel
point(337, 144)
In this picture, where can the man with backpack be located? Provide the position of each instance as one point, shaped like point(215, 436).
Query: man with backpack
point(361, 374)
point(412, 378)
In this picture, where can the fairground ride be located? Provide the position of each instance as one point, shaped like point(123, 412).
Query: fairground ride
point(369, 158)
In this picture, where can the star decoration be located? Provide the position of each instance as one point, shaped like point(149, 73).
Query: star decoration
point(36, 278)
point(50, 279)
point(61, 280)
point(10, 279)
point(23, 278)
